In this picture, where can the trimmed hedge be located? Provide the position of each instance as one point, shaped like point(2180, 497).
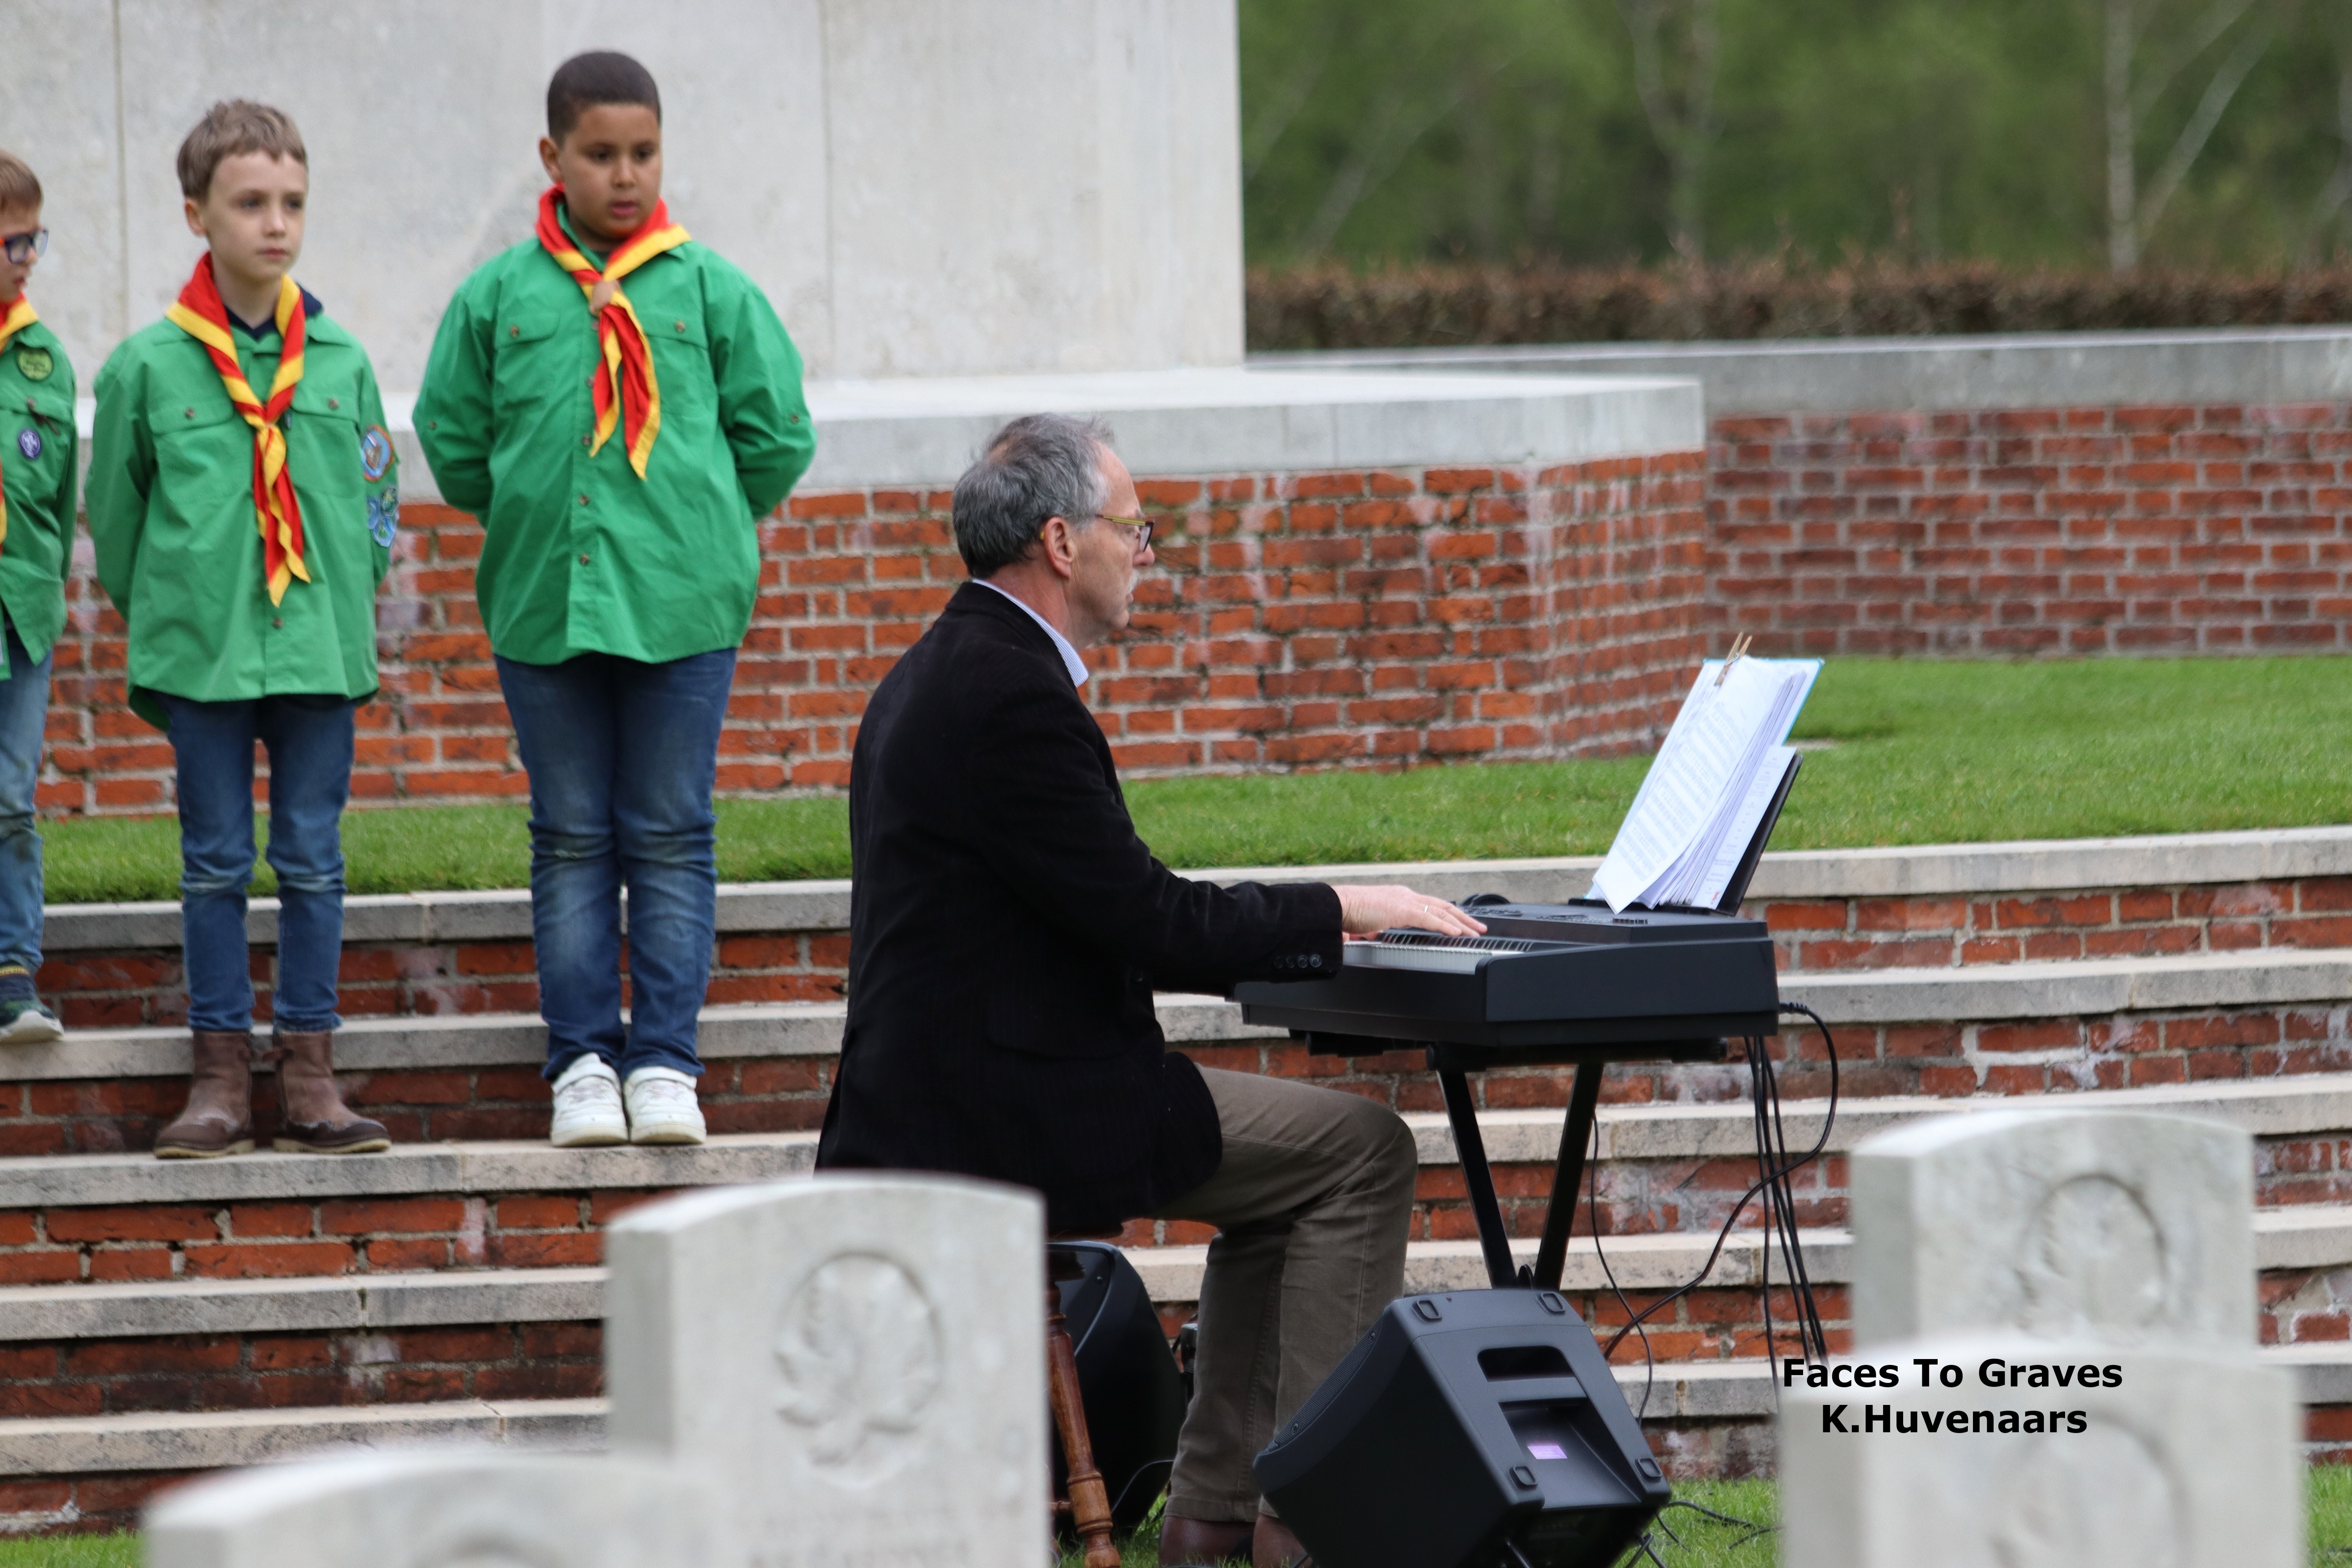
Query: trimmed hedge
point(1331, 306)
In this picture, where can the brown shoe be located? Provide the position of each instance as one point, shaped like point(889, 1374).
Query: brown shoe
point(1203, 1543)
point(219, 1117)
point(312, 1117)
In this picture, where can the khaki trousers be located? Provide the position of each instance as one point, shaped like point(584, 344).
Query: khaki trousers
point(1311, 1202)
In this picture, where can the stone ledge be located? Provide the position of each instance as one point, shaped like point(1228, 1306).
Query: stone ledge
point(1981, 993)
point(519, 1039)
point(2025, 866)
point(2074, 988)
point(269, 1306)
point(516, 1166)
point(2315, 1102)
point(498, 914)
point(1991, 371)
point(922, 431)
point(165, 1441)
point(60, 1445)
point(2317, 1237)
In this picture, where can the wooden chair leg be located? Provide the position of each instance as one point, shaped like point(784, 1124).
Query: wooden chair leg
point(1089, 1499)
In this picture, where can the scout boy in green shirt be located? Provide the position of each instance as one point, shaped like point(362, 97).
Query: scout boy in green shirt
point(37, 518)
point(620, 407)
point(242, 497)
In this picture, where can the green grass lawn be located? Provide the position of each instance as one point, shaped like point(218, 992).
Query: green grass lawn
point(1918, 753)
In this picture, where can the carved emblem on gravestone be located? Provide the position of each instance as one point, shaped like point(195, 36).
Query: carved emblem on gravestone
point(859, 1347)
point(2093, 1258)
point(495, 1556)
point(2100, 1498)
point(476, 1543)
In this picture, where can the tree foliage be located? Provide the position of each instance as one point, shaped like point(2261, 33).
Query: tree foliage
point(2061, 133)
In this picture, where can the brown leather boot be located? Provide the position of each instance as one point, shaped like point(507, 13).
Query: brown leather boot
point(1203, 1543)
point(312, 1117)
point(1275, 1546)
point(219, 1117)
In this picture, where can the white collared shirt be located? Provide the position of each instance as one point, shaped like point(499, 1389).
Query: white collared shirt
point(1070, 660)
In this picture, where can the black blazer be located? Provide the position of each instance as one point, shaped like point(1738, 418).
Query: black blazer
point(1007, 929)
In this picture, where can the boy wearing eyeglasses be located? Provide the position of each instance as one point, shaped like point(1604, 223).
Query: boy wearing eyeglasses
point(620, 407)
point(242, 497)
point(37, 518)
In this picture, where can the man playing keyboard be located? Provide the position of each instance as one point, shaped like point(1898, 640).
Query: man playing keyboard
point(1007, 931)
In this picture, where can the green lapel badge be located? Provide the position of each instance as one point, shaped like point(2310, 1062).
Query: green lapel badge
point(34, 363)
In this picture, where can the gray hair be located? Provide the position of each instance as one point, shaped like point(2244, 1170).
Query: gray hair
point(1037, 467)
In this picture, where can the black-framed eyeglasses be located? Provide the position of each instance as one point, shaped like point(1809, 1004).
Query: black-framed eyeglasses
point(1140, 526)
point(22, 248)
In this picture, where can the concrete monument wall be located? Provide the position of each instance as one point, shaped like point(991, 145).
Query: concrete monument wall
point(922, 187)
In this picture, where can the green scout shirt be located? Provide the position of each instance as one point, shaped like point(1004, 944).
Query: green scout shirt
point(179, 551)
point(579, 555)
point(38, 470)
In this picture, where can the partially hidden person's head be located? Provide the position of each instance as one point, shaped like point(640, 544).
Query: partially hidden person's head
point(244, 178)
point(604, 144)
point(1049, 496)
point(22, 238)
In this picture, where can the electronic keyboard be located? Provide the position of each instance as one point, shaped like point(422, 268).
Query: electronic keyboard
point(1544, 976)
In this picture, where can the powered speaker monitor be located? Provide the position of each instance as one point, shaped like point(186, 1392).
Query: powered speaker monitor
point(1480, 1429)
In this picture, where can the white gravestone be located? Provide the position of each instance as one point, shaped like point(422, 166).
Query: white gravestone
point(2122, 1226)
point(2191, 1462)
point(2012, 1252)
point(452, 1508)
point(857, 1364)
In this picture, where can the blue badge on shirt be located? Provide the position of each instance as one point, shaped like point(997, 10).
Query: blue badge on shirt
point(28, 441)
point(383, 517)
point(376, 453)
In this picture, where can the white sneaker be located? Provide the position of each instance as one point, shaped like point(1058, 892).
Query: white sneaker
point(662, 1107)
point(588, 1106)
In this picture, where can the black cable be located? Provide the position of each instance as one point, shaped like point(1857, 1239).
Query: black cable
point(1759, 1071)
point(1821, 1348)
point(1592, 1208)
point(1780, 1213)
point(1724, 1233)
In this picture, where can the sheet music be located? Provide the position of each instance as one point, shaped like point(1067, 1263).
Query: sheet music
point(1745, 821)
point(1685, 817)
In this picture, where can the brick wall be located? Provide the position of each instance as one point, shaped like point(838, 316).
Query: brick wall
point(2211, 529)
point(1382, 616)
point(1399, 615)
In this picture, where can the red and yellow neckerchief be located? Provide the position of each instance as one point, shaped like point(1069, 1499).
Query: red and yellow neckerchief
point(626, 394)
point(200, 313)
point(14, 317)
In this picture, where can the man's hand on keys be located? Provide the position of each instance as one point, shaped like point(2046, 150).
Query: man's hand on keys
point(1364, 910)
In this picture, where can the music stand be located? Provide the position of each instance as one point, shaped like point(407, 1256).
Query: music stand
point(1452, 1064)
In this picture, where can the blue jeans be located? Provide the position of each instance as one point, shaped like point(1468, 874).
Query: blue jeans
point(24, 711)
point(309, 743)
point(622, 756)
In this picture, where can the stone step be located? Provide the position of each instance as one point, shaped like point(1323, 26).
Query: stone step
point(1936, 906)
point(2267, 977)
point(1898, 871)
point(460, 1040)
point(1991, 1028)
point(2272, 1107)
point(203, 1440)
point(2288, 1106)
point(182, 1441)
point(117, 1218)
point(2314, 1237)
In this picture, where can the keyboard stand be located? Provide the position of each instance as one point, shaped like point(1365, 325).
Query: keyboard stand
point(1454, 1063)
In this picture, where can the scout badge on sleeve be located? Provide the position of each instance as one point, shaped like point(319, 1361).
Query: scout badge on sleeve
point(376, 453)
point(14, 317)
